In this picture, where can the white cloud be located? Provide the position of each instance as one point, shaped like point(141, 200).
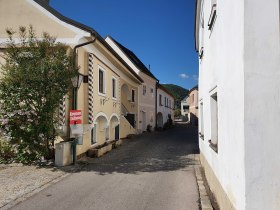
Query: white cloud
point(194, 77)
point(184, 76)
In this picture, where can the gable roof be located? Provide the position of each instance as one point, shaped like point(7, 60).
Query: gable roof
point(45, 5)
point(185, 99)
point(194, 88)
point(134, 59)
point(160, 86)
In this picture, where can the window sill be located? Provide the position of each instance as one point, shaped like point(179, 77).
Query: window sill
point(102, 94)
point(213, 146)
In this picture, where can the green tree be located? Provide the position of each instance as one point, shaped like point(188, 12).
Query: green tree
point(34, 78)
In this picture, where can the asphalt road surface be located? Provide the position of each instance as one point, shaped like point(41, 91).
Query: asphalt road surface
point(153, 171)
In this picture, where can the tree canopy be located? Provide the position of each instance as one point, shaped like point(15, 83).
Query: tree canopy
point(34, 78)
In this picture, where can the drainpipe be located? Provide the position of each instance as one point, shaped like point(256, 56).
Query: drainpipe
point(75, 90)
point(157, 84)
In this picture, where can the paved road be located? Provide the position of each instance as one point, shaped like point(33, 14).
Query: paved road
point(150, 172)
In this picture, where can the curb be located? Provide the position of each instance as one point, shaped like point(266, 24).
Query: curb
point(205, 203)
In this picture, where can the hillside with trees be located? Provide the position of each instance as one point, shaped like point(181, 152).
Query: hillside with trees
point(179, 93)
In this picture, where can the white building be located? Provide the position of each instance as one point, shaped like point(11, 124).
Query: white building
point(185, 108)
point(165, 106)
point(147, 93)
point(239, 101)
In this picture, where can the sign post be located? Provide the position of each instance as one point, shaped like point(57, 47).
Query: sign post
point(76, 130)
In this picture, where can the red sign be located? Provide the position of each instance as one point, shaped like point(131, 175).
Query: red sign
point(75, 117)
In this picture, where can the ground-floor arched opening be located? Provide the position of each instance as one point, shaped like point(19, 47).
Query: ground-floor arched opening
point(100, 130)
point(114, 128)
point(159, 120)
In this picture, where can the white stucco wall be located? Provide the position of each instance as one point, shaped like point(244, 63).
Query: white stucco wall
point(242, 62)
point(184, 103)
point(221, 70)
point(262, 98)
point(165, 110)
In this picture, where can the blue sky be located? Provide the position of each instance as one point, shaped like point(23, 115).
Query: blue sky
point(159, 32)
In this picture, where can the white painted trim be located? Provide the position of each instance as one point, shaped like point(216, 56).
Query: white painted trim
point(121, 54)
point(104, 80)
point(53, 17)
point(116, 92)
point(133, 89)
point(114, 115)
point(213, 90)
point(69, 41)
point(100, 114)
point(92, 49)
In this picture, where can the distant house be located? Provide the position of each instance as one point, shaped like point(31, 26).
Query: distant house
point(146, 115)
point(193, 105)
point(165, 106)
point(239, 101)
point(108, 82)
point(185, 107)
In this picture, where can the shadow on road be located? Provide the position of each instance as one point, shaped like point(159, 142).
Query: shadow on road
point(169, 150)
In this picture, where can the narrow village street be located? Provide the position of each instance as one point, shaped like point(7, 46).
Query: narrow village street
point(151, 171)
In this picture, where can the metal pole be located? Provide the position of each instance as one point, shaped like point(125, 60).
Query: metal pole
point(75, 93)
point(74, 105)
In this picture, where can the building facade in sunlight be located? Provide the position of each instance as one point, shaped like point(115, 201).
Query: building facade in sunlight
point(165, 107)
point(109, 84)
point(239, 104)
point(146, 115)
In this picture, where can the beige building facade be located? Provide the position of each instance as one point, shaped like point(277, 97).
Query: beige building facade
point(193, 106)
point(146, 115)
point(106, 77)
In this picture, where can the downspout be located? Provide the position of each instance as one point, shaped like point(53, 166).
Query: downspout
point(157, 84)
point(74, 102)
point(75, 90)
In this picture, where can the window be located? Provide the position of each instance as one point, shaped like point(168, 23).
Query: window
point(213, 15)
point(192, 98)
point(101, 81)
point(114, 88)
point(160, 99)
point(214, 122)
point(165, 101)
point(144, 90)
point(132, 95)
point(152, 92)
point(185, 108)
point(93, 135)
point(201, 122)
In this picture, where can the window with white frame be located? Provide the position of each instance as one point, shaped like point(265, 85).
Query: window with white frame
point(160, 99)
point(101, 81)
point(132, 95)
point(213, 14)
point(144, 90)
point(214, 122)
point(93, 135)
point(201, 122)
point(114, 88)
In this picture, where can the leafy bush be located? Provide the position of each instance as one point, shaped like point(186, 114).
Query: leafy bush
point(7, 151)
point(36, 75)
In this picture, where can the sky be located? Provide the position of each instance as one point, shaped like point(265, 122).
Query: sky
point(159, 32)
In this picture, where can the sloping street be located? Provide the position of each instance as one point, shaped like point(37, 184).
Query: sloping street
point(151, 171)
